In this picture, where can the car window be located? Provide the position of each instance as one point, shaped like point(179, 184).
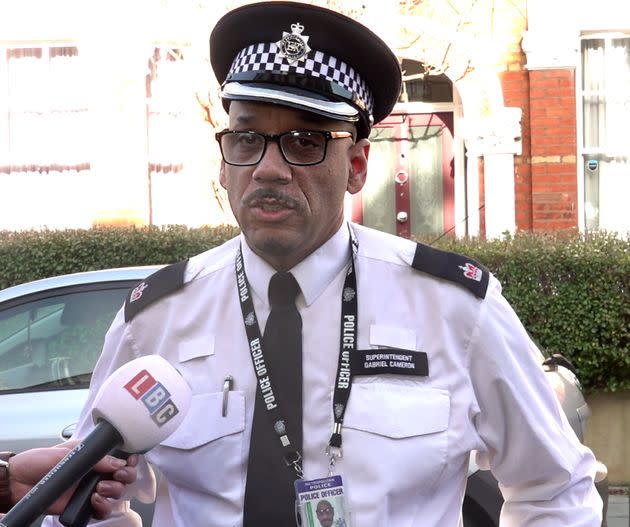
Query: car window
point(54, 342)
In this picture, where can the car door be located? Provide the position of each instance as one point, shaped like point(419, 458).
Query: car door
point(49, 343)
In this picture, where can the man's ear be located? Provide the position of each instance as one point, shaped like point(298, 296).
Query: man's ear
point(222, 175)
point(359, 153)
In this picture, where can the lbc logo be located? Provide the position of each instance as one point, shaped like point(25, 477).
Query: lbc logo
point(155, 397)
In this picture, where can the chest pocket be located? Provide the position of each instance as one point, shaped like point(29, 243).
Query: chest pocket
point(398, 432)
point(206, 451)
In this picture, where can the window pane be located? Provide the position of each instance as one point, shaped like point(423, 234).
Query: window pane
point(67, 139)
point(614, 189)
point(593, 85)
point(606, 107)
point(618, 97)
point(55, 342)
point(167, 92)
point(26, 70)
point(46, 111)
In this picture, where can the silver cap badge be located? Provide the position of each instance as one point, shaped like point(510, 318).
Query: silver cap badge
point(294, 46)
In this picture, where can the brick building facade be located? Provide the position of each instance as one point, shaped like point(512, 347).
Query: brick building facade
point(513, 98)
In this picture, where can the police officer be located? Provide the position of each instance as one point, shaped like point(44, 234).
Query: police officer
point(408, 358)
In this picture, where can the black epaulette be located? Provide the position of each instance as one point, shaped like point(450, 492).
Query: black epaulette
point(154, 287)
point(452, 266)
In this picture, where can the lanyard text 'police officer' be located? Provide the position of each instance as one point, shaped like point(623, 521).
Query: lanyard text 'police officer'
point(343, 384)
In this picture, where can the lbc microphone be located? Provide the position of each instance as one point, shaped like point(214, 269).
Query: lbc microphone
point(136, 408)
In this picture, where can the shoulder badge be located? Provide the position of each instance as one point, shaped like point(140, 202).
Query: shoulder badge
point(154, 287)
point(452, 266)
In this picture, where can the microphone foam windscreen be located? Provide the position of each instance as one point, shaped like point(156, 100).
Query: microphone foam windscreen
point(145, 400)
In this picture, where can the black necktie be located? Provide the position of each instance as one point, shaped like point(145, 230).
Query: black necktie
point(269, 492)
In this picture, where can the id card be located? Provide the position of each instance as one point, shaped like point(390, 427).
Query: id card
point(321, 502)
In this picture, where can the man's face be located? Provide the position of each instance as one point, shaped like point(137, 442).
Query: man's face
point(325, 513)
point(287, 211)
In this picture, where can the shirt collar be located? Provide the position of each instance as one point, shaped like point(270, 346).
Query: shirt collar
point(314, 273)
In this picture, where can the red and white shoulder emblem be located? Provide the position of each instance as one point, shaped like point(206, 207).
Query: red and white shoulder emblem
point(472, 272)
point(136, 294)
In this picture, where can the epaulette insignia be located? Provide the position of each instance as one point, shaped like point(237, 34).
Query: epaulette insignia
point(154, 287)
point(452, 266)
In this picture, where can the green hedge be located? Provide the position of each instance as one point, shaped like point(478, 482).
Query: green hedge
point(29, 255)
point(573, 294)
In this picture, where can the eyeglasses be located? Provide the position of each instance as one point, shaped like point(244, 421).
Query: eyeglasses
point(327, 510)
point(298, 147)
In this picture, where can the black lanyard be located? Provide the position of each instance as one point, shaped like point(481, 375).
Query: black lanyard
point(347, 344)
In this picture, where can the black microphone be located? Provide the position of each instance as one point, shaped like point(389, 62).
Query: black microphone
point(79, 510)
point(136, 408)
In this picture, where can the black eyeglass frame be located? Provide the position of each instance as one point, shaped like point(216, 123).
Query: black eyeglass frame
point(276, 138)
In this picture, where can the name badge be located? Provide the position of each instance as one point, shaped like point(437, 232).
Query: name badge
point(321, 502)
point(390, 360)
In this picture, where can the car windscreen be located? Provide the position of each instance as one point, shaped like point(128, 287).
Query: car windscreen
point(54, 341)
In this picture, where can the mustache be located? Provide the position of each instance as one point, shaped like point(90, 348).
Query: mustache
point(263, 194)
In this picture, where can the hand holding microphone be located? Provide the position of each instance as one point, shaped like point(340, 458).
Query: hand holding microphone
point(28, 467)
point(136, 408)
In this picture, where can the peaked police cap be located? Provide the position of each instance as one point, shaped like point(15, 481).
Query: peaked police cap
point(305, 57)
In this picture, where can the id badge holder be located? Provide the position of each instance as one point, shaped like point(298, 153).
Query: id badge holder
point(321, 502)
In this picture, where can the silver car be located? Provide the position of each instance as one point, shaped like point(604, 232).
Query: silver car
point(51, 334)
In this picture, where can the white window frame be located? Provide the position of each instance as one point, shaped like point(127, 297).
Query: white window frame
point(582, 150)
point(6, 154)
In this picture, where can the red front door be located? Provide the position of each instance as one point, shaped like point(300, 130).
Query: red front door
point(409, 188)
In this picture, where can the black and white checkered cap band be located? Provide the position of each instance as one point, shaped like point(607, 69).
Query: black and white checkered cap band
point(266, 57)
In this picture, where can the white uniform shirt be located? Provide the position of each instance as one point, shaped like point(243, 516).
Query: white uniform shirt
point(406, 439)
